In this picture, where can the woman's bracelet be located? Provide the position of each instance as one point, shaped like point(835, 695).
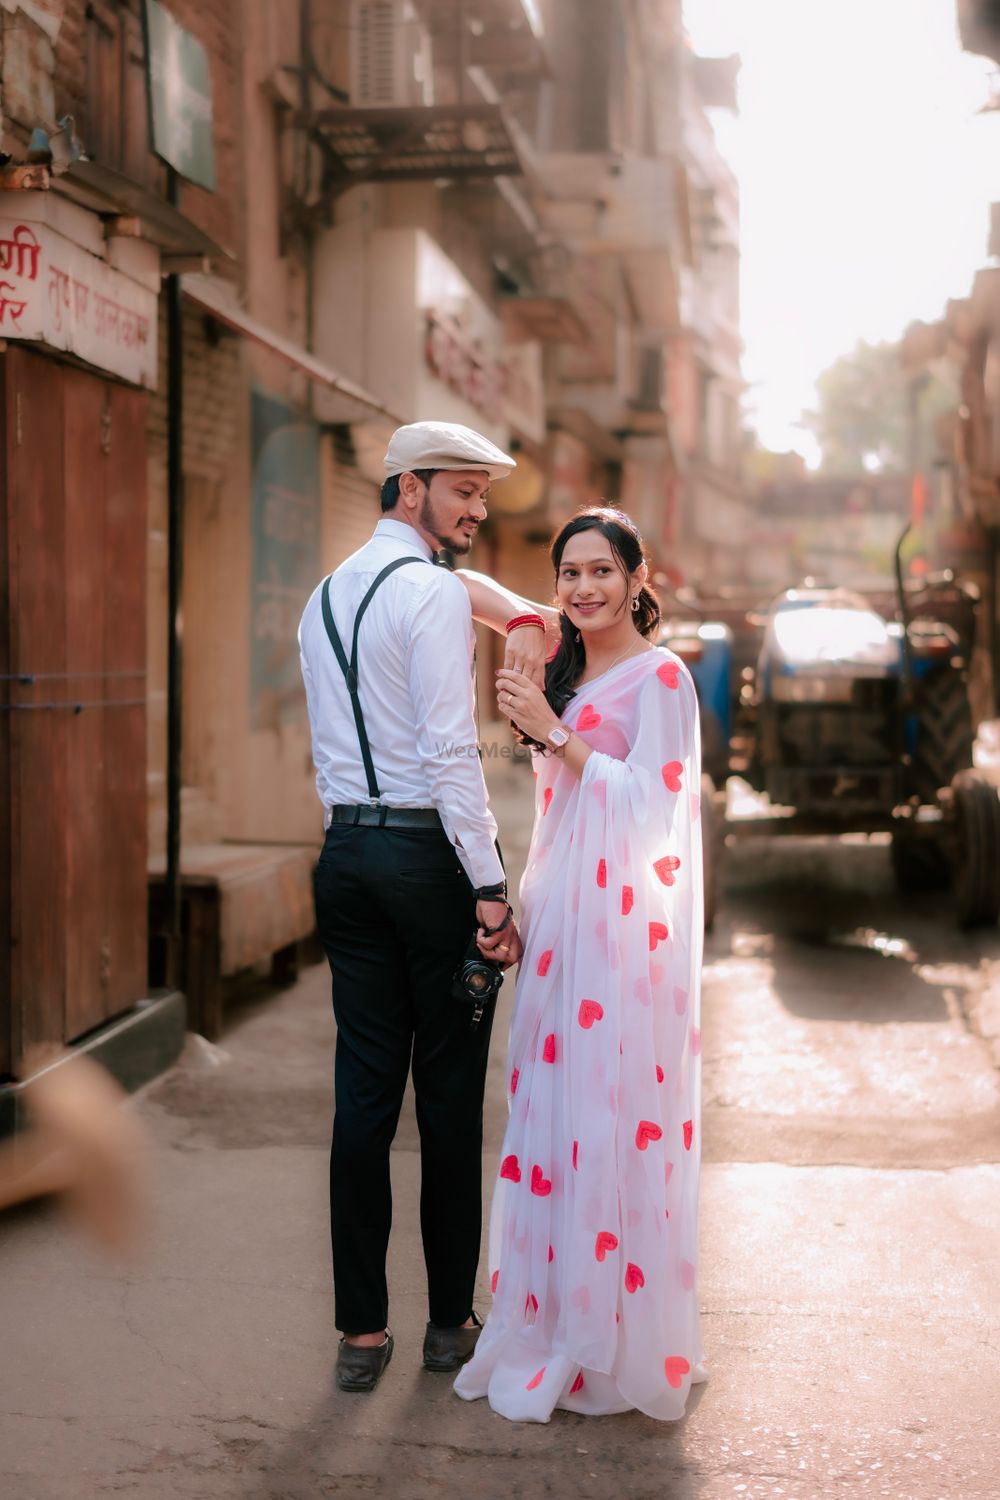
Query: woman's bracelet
point(519, 620)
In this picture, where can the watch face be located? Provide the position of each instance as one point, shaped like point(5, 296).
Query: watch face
point(558, 737)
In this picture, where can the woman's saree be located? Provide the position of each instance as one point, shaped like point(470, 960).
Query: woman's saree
point(593, 1233)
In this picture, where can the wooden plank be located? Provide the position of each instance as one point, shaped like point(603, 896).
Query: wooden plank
point(38, 737)
point(125, 734)
point(84, 469)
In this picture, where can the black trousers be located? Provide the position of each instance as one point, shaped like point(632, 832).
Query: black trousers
point(395, 913)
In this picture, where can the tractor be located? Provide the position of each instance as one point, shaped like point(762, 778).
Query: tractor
point(853, 721)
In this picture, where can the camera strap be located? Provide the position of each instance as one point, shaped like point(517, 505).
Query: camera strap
point(350, 667)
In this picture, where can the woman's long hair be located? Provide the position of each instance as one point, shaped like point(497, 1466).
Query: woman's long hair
point(566, 668)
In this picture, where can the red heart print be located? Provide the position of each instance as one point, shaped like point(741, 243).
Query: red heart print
point(544, 962)
point(688, 1134)
point(514, 1080)
point(540, 1185)
point(589, 718)
point(669, 674)
point(602, 874)
point(671, 774)
point(628, 899)
point(642, 992)
point(655, 973)
point(680, 1000)
point(659, 1073)
point(549, 1050)
point(676, 1367)
point(552, 1255)
point(493, 1281)
point(510, 1169)
point(546, 800)
point(590, 1011)
point(686, 1270)
point(668, 1172)
point(634, 1279)
point(576, 1149)
point(536, 1380)
point(667, 867)
point(646, 1131)
point(581, 1298)
point(658, 933)
point(577, 1384)
point(634, 1218)
point(605, 1241)
point(695, 1041)
point(601, 931)
point(530, 1304)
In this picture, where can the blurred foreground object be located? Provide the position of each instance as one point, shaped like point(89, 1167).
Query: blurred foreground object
point(84, 1145)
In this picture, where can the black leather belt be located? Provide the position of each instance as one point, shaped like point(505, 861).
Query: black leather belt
point(365, 816)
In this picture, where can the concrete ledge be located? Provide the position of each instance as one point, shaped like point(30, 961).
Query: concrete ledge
point(134, 1048)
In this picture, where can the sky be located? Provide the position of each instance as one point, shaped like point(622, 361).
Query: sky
point(866, 172)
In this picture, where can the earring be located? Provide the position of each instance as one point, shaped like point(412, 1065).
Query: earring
point(635, 604)
point(578, 638)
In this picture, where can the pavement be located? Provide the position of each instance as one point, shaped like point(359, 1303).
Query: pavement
point(850, 1237)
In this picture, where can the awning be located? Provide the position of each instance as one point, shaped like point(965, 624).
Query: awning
point(218, 297)
point(105, 191)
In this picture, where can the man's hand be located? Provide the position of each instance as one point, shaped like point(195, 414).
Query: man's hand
point(526, 652)
point(503, 947)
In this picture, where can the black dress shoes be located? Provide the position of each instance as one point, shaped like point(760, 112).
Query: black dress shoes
point(360, 1369)
point(446, 1349)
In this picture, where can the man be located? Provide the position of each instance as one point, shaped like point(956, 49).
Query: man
point(409, 870)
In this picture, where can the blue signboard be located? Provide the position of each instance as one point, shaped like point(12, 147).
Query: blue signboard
point(180, 97)
point(285, 518)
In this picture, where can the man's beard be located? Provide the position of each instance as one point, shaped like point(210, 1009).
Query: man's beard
point(428, 520)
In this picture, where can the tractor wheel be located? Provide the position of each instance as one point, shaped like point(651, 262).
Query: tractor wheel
point(919, 864)
point(976, 826)
point(944, 734)
point(713, 843)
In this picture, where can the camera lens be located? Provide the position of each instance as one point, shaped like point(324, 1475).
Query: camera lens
point(478, 980)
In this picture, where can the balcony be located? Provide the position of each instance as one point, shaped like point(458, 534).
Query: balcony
point(413, 143)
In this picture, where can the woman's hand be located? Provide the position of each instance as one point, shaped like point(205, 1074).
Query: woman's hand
point(526, 652)
point(525, 704)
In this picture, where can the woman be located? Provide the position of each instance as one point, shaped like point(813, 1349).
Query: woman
point(593, 1239)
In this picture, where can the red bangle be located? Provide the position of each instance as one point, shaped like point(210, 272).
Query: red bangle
point(520, 620)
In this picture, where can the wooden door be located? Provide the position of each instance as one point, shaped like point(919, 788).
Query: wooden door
point(72, 715)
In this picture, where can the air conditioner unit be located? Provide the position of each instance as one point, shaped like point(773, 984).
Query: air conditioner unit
point(390, 55)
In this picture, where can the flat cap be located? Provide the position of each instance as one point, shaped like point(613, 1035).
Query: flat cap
point(444, 445)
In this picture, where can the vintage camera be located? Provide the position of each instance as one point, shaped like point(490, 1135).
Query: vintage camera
point(477, 982)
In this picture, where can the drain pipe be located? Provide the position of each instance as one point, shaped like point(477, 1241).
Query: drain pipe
point(175, 574)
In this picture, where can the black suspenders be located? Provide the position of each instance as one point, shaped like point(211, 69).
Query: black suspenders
point(350, 668)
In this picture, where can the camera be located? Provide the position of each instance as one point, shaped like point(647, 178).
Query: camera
point(477, 981)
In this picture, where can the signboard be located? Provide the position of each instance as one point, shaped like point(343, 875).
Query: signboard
point(55, 293)
point(180, 97)
point(285, 521)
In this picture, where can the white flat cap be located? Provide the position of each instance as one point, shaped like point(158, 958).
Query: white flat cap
point(444, 445)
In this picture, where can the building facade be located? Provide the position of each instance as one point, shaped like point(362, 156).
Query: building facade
point(349, 214)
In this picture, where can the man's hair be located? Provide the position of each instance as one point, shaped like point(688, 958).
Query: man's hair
point(389, 493)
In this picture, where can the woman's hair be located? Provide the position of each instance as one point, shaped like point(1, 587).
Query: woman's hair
point(566, 668)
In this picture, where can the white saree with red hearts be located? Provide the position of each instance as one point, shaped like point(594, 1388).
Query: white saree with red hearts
point(594, 1225)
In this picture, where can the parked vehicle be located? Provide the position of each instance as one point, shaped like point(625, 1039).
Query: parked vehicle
point(851, 720)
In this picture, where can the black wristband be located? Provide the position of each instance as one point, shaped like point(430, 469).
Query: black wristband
point(492, 892)
point(492, 931)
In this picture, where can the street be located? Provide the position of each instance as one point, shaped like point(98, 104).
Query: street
point(851, 1228)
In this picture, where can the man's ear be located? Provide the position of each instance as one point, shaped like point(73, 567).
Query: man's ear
point(410, 488)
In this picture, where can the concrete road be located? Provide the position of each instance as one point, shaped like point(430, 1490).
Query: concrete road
point(851, 1237)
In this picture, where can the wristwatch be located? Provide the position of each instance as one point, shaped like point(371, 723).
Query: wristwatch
point(558, 737)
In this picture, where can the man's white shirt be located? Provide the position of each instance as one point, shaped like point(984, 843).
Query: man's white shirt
point(416, 691)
